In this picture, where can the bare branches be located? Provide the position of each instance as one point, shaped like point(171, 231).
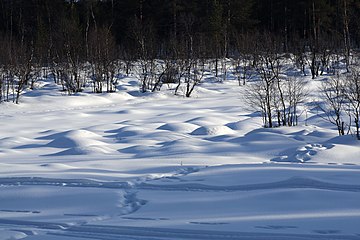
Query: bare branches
point(342, 101)
point(352, 93)
point(333, 94)
point(103, 59)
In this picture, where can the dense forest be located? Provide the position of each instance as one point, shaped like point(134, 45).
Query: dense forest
point(218, 27)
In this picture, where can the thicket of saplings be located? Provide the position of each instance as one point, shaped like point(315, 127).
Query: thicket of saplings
point(182, 63)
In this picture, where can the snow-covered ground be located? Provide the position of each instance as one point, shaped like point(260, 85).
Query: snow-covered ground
point(157, 166)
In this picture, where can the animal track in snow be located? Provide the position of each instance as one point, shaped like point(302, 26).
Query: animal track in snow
point(303, 154)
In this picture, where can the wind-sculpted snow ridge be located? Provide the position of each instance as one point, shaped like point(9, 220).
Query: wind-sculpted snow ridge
point(103, 232)
point(82, 183)
point(36, 224)
point(127, 232)
point(291, 183)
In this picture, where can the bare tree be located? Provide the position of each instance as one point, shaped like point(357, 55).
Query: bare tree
point(333, 94)
point(259, 96)
point(277, 97)
point(296, 93)
point(299, 56)
point(23, 68)
point(270, 68)
point(4, 68)
point(102, 51)
point(346, 33)
point(144, 37)
point(71, 56)
point(352, 93)
point(265, 88)
point(191, 61)
point(244, 57)
point(314, 60)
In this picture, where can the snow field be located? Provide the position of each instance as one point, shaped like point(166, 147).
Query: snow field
point(158, 166)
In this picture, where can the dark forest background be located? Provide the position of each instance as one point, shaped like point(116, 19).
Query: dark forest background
point(49, 26)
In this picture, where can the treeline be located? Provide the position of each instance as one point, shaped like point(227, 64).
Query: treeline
point(69, 37)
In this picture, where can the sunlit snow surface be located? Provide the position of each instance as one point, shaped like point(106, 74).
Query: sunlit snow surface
point(158, 166)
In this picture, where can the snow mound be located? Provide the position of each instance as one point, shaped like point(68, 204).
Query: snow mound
point(213, 130)
point(180, 146)
point(75, 138)
point(85, 150)
point(178, 127)
point(345, 140)
point(207, 121)
point(245, 125)
point(78, 142)
point(127, 131)
point(9, 142)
